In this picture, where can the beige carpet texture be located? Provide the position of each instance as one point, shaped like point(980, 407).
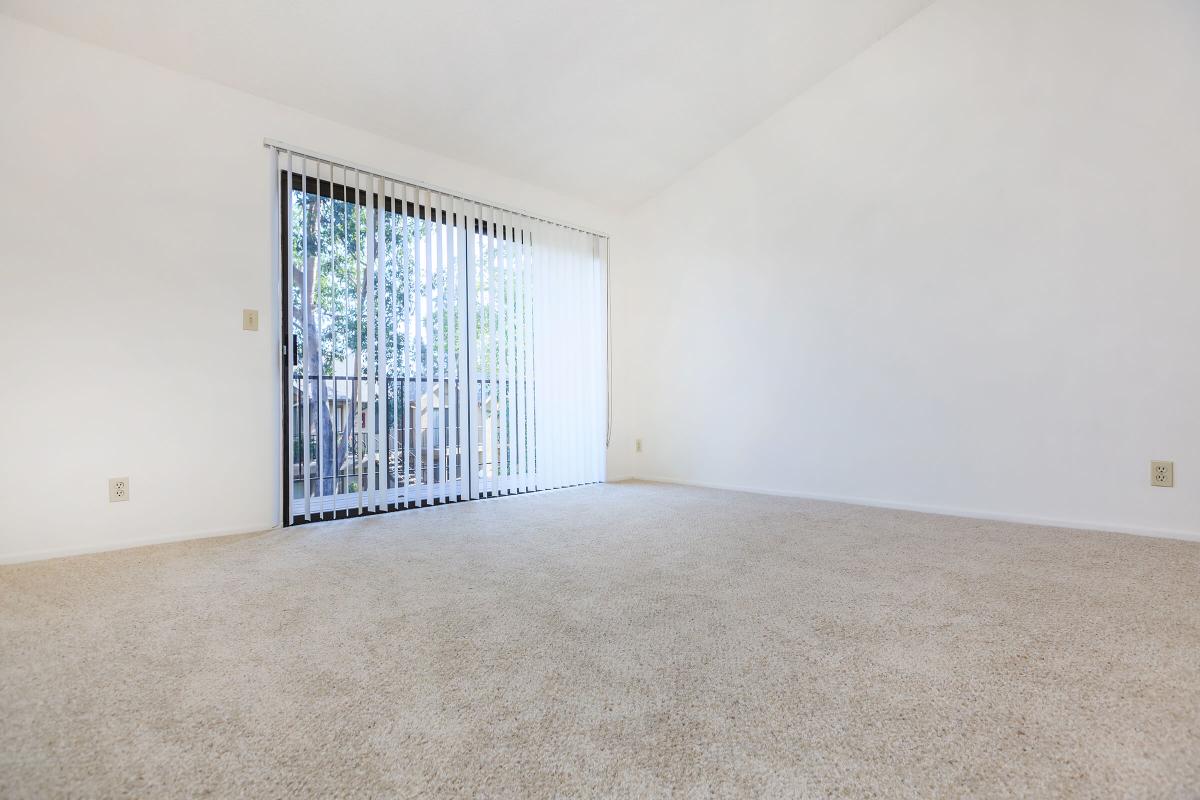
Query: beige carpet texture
point(621, 640)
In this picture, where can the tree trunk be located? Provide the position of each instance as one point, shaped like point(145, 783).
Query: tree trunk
point(344, 445)
point(318, 406)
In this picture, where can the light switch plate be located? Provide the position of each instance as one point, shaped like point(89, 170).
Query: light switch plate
point(249, 319)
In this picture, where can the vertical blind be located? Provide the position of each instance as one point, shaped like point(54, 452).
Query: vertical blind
point(436, 348)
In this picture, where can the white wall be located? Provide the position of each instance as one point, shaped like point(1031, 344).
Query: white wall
point(962, 273)
point(134, 227)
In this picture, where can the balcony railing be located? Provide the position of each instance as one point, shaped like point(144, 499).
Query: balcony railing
point(401, 462)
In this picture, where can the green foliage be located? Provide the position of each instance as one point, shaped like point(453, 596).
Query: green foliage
point(334, 235)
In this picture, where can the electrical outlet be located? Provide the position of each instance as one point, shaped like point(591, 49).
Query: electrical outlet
point(118, 490)
point(1162, 473)
point(637, 445)
point(249, 319)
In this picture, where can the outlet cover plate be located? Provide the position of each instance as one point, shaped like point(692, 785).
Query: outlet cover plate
point(1162, 473)
point(118, 490)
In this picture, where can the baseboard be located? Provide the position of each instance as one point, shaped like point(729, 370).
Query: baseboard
point(126, 544)
point(63, 552)
point(1161, 533)
point(947, 511)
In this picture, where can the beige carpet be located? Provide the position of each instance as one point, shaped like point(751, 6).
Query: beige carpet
point(629, 640)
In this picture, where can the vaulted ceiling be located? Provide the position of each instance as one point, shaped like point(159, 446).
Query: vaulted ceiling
point(609, 101)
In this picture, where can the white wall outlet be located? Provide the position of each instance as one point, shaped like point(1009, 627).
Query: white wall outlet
point(637, 445)
point(1162, 473)
point(118, 490)
point(249, 319)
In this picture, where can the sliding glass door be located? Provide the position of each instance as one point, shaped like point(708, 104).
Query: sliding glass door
point(413, 323)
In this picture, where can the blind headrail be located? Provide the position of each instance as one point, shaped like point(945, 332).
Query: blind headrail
point(284, 147)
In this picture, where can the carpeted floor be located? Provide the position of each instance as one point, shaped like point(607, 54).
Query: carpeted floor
point(628, 639)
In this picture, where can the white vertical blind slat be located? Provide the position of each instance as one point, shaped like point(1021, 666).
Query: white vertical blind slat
point(583, 332)
point(439, 362)
point(441, 492)
point(336, 354)
point(444, 348)
point(356, 433)
point(566, 274)
point(530, 369)
point(547, 377)
point(404, 276)
point(576, 278)
point(338, 350)
point(537, 393)
point(379, 454)
point(471, 461)
point(429, 255)
point(433, 420)
point(369, 300)
point(312, 326)
point(393, 428)
point(600, 357)
point(505, 263)
point(489, 350)
point(497, 299)
point(570, 434)
point(479, 359)
point(449, 378)
point(418, 346)
point(455, 226)
point(562, 345)
point(293, 342)
point(522, 358)
point(497, 390)
point(412, 402)
point(544, 289)
point(517, 330)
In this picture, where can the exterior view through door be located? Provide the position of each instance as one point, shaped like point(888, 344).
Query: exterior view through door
point(435, 348)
